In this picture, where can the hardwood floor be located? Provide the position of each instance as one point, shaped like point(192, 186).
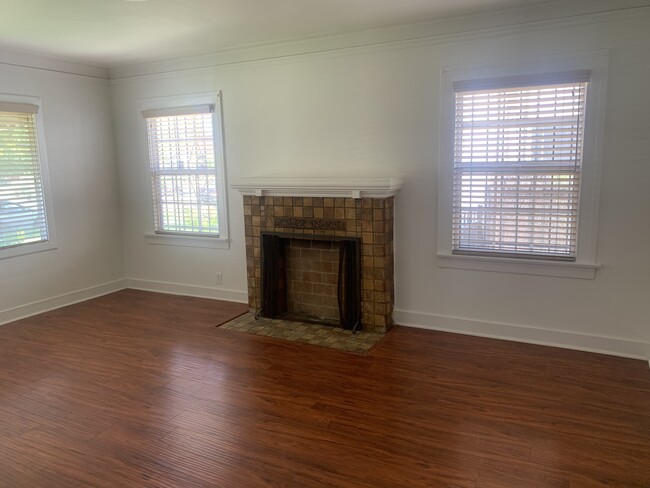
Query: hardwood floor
point(138, 389)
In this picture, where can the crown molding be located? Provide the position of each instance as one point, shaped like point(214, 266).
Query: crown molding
point(319, 187)
point(504, 21)
point(23, 59)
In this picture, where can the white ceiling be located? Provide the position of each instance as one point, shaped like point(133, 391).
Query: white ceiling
point(116, 32)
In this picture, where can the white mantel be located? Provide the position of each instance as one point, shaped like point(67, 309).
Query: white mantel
point(319, 187)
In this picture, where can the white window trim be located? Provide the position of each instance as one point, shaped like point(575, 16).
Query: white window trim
point(188, 241)
point(586, 263)
point(51, 242)
point(152, 237)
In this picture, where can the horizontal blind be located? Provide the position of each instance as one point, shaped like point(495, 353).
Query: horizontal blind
point(183, 172)
point(517, 162)
point(173, 111)
point(22, 207)
point(531, 80)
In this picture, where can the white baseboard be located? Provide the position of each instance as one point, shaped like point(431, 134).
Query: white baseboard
point(188, 290)
point(521, 333)
point(40, 306)
point(495, 330)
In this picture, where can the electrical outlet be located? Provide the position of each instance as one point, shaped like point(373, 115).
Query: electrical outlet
point(219, 279)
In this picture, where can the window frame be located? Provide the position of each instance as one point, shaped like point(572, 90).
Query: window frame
point(51, 242)
point(220, 241)
point(585, 264)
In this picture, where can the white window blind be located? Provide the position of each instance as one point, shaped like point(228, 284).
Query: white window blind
point(517, 165)
point(22, 207)
point(183, 170)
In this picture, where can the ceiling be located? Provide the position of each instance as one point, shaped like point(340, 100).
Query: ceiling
point(109, 33)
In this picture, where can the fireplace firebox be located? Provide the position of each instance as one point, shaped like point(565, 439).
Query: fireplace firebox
point(314, 278)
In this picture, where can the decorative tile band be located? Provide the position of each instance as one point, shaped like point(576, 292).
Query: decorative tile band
point(313, 224)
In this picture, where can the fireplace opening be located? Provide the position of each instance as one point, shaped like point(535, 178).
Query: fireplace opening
point(312, 279)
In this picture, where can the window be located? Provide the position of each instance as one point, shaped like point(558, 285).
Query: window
point(520, 163)
point(517, 164)
point(186, 171)
point(23, 215)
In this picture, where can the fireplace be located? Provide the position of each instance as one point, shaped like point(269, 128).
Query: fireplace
point(312, 278)
point(349, 220)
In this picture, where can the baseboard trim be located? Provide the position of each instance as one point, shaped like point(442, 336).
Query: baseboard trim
point(41, 306)
point(521, 333)
point(494, 330)
point(188, 290)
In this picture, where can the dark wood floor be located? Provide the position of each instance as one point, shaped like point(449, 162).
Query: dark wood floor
point(138, 389)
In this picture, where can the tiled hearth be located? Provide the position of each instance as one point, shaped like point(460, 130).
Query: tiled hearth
point(368, 217)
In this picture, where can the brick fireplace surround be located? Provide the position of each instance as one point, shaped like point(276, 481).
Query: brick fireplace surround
point(350, 208)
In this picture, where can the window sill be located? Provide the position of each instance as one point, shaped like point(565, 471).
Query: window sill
point(25, 249)
point(187, 241)
point(580, 270)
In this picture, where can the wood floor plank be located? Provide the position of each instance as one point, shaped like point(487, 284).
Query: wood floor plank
point(138, 389)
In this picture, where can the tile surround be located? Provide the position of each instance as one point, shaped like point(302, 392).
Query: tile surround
point(370, 219)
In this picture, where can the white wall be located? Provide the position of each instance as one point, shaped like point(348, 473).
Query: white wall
point(83, 175)
point(373, 111)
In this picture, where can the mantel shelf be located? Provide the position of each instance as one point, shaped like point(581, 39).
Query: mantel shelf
point(319, 187)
